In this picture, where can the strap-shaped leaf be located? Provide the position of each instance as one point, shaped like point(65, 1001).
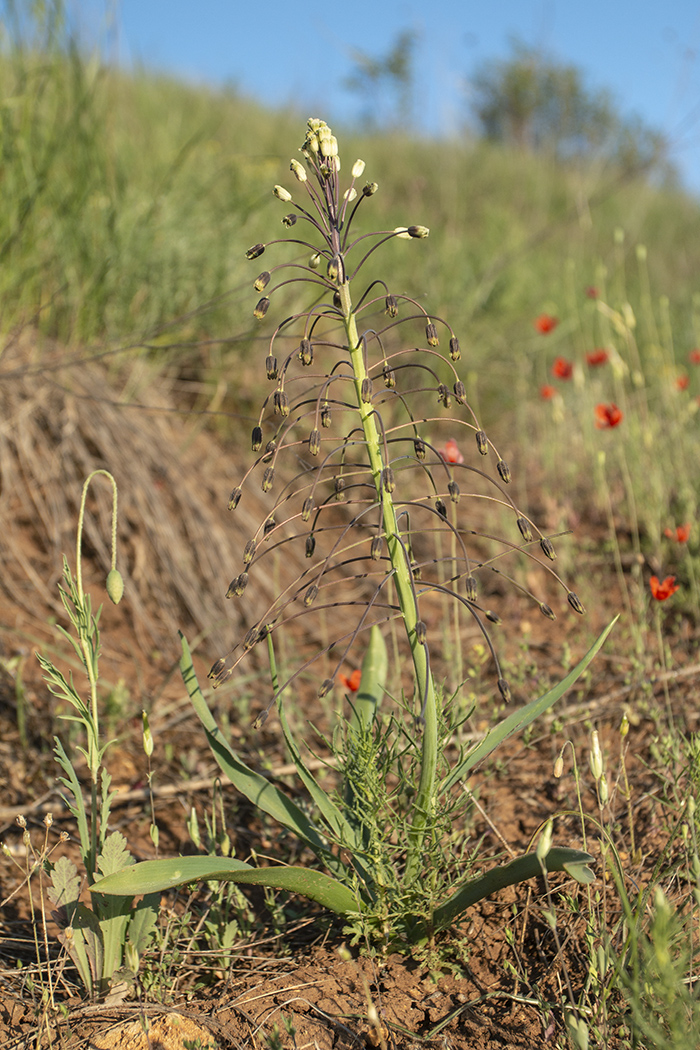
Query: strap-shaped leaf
point(521, 718)
point(153, 876)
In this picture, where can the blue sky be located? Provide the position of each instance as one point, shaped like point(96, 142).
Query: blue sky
point(646, 52)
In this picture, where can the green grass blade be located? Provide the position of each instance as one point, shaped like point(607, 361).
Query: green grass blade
point(254, 786)
point(153, 876)
point(521, 718)
point(374, 672)
point(574, 862)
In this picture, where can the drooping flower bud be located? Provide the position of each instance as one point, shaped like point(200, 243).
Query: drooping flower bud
point(421, 632)
point(311, 594)
point(262, 281)
point(547, 611)
point(306, 352)
point(298, 170)
point(269, 524)
point(525, 530)
point(441, 508)
point(431, 334)
point(315, 261)
point(389, 377)
point(504, 690)
point(370, 189)
point(310, 545)
point(460, 392)
point(366, 390)
point(391, 306)
point(255, 252)
point(548, 548)
point(315, 442)
point(375, 551)
point(482, 442)
point(419, 448)
point(114, 585)
point(470, 587)
point(453, 489)
point(281, 403)
point(444, 396)
point(307, 508)
point(455, 352)
point(418, 231)
point(262, 308)
point(282, 194)
point(504, 471)
point(237, 585)
point(271, 366)
point(268, 479)
point(235, 498)
point(249, 552)
point(257, 438)
point(575, 603)
point(289, 220)
point(388, 482)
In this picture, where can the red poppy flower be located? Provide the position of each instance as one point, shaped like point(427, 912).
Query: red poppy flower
point(596, 358)
point(352, 681)
point(694, 357)
point(450, 452)
point(547, 391)
point(607, 416)
point(562, 369)
point(682, 382)
point(591, 292)
point(545, 323)
point(680, 534)
point(663, 589)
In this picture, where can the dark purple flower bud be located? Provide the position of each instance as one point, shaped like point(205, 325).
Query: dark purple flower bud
point(268, 479)
point(388, 482)
point(262, 281)
point(237, 586)
point(325, 688)
point(389, 377)
point(249, 552)
point(548, 548)
point(289, 221)
point(271, 367)
point(575, 603)
point(310, 545)
point(369, 189)
point(418, 231)
point(504, 690)
point(311, 594)
point(234, 499)
point(419, 448)
point(503, 470)
point(431, 334)
point(307, 509)
point(493, 617)
point(525, 530)
point(470, 587)
point(270, 448)
point(366, 390)
point(252, 638)
point(315, 442)
point(392, 307)
point(441, 508)
point(421, 632)
point(460, 392)
point(546, 611)
point(255, 252)
point(256, 440)
point(217, 668)
point(262, 308)
point(375, 551)
point(269, 525)
point(281, 402)
point(415, 570)
point(453, 489)
point(482, 442)
point(326, 415)
point(306, 352)
point(455, 352)
point(339, 486)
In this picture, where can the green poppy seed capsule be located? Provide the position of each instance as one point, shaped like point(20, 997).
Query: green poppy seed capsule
point(271, 367)
point(325, 688)
point(547, 611)
point(306, 351)
point(419, 448)
point(281, 402)
point(493, 617)
point(525, 530)
point(388, 481)
point(217, 668)
point(548, 548)
point(504, 690)
point(270, 448)
point(249, 552)
point(262, 281)
point(375, 551)
point(281, 194)
point(310, 545)
point(460, 392)
point(269, 525)
point(504, 471)
point(326, 416)
point(289, 220)
point(234, 499)
point(389, 377)
point(575, 603)
point(315, 442)
point(255, 252)
point(482, 442)
point(252, 638)
point(114, 585)
point(441, 508)
point(418, 231)
point(256, 439)
point(311, 594)
point(391, 306)
point(262, 308)
point(366, 390)
point(453, 489)
point(370, 189)
point(307, 508)
point(421, 632)
point(431, 334)
point(470, 587)
point(455, 352)
point(268, 479)
point(444, 395)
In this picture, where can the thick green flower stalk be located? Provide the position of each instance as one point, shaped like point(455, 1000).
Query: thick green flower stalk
point(342, 407)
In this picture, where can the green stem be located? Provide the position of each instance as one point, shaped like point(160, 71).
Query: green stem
point(406, 598)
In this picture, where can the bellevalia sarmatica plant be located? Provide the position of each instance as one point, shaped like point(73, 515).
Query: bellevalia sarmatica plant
point(371, 492)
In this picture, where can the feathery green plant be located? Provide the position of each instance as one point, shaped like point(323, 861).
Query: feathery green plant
point(355, 408)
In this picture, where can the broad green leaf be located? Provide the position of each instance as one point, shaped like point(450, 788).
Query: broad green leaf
point(151, 876)
point(574, 862)
point(521, 718)
point(263, 794)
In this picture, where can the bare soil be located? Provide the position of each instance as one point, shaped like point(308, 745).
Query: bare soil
point(289, 976)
